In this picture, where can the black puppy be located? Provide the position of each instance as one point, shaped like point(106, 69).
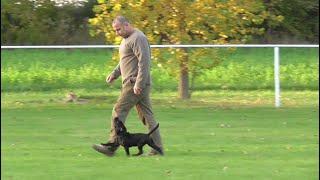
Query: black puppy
point(128, 140)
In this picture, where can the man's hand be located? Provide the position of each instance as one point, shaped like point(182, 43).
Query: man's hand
point(136, 90)
point(110, 79)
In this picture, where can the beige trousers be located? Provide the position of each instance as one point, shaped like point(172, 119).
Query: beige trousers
point(126, 101)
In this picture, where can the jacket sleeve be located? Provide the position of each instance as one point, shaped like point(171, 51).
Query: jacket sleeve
point(116, 72)
point(141, 49)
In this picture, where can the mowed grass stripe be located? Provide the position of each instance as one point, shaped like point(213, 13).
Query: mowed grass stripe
point(200, 143)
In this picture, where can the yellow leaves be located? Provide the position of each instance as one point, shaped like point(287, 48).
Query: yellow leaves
point(109, 36)
point(118, 40)
point(175, 9)
point(117, 7)
point(93, 21)
point(242, 31)
point(219, 41)
point(237, 9)
point(257, 21)
point(280, 18)
point(152, 38)
point(190, 23)
point(223, 35)
point(172, 23)
point(264, 14)
point(179, 21)
point(261, 30)
point(244, 18)
point(101, 1)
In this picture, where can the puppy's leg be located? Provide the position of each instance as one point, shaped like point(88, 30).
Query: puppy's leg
point(154, 146)
point(127, 151)
point(140, 147)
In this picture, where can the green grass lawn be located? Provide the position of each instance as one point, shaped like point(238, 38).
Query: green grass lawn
point(242, 69)
point(215, 135)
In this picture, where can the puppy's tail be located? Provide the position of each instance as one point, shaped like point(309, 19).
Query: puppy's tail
point(153, 129)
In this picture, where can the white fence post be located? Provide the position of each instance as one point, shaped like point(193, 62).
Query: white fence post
point(277, 76)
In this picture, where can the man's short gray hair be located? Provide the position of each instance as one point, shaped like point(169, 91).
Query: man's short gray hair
point(121, 20)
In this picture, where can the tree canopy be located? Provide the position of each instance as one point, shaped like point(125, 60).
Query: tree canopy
point(186, 22)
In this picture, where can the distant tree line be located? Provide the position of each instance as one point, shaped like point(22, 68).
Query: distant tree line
point(300, 24)
point(25, 22)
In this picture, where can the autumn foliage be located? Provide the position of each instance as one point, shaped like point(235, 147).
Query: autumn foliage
point(185, 22)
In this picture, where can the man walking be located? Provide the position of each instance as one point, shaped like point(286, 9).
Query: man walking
point(134, 68)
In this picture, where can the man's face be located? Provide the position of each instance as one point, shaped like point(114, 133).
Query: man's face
point(120, 29)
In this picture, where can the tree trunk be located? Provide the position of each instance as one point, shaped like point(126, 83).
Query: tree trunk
point(268, 37)
point(184, 76)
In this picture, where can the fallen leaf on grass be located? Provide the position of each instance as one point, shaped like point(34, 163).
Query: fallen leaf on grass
point(225, 168)
point(168, 172)
point(245, 152)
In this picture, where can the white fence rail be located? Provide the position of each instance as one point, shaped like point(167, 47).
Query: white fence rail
point(165, 46)
point(275, 46)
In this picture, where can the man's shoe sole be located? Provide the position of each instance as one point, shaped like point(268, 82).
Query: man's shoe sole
point(103, 149)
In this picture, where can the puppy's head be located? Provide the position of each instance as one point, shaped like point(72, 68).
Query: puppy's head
point(119, 126)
